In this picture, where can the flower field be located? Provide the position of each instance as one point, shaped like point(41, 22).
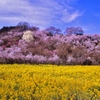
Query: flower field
point(49, 82)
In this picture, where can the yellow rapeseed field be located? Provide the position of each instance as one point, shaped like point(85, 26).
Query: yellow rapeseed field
point(49, 82)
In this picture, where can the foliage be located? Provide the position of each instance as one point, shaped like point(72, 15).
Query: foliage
point(5, 28)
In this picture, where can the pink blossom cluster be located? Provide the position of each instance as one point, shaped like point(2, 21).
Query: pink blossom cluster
point(49, 46)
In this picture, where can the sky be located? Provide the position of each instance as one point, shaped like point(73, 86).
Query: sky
point(59, 13)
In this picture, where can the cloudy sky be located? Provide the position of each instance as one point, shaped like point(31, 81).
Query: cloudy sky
point(58, 13)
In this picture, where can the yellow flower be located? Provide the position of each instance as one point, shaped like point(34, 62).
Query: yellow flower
point(48, 82)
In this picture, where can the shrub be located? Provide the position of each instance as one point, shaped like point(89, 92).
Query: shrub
point(54, 59)
point(87, 62)
point(39, 58)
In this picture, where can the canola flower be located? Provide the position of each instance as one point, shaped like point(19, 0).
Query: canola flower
point(49, 82)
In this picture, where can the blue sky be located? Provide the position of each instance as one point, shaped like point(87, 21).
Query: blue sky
point(58, 13)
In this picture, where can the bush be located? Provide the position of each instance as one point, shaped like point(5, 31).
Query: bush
point(87, 62)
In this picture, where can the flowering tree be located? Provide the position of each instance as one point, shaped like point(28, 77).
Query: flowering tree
point(52, 30)
point(34, 28)
point(28, 36)
point(74, 30)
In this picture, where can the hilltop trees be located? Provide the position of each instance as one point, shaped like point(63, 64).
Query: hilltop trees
point(52, 31)
point(6, 28)
point(23, 25)
point(74, 30)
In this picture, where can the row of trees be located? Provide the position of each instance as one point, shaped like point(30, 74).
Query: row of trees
point(51, 30)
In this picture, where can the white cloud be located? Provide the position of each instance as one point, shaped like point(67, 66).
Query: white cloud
point(22, 10)
point(69, 17)
point(42, 13)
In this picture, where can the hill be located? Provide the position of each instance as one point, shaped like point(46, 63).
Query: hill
point(35, 46)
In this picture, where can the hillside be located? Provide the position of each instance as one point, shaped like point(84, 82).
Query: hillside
point(36, 46)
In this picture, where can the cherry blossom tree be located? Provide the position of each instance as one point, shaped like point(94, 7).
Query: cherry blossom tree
point(52, 30)
point(74, 30)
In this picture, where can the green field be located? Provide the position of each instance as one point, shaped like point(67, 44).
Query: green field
point(49, 82)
